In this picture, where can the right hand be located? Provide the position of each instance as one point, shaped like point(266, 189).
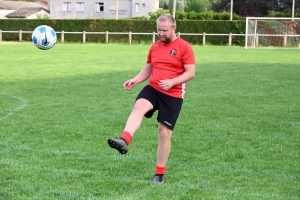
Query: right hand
point(129, 84)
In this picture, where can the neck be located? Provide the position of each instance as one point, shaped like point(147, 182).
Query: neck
point(173, 38)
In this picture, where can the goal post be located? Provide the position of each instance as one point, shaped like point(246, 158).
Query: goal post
point(272, 32)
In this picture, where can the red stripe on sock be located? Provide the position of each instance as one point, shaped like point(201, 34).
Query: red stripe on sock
point(160, 169)
point(127, 137)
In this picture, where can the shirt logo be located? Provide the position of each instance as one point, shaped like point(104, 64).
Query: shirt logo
point(173, 52)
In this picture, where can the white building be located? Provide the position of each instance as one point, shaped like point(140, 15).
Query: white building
point(92, 9)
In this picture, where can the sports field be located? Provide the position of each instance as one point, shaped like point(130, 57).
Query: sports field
point(237, 137)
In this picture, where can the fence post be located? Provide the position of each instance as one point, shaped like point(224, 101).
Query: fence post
point(83, 37)
point(153, 37)
point(20, 35)
point(230, 39)
point(285, 39)
point(130, 37)
point(203, 42)
point(62, 36)
point(256, 40)
point(178, 34)
point(0, 35)
point(106, 36)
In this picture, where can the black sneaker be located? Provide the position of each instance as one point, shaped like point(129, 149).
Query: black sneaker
point(118, 144)
point(158, 179)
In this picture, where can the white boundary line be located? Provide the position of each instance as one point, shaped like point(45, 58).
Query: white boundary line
point(17, 109)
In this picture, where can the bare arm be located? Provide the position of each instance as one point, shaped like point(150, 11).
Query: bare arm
point(143, 75)
point(187, 75)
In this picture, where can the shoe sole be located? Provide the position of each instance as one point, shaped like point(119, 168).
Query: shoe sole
point(116, 146)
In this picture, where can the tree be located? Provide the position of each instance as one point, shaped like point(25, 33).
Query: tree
point(257, 8)
point(171, 6)
point(178, 5)
point(187, 5)
point(243, 7)
point(196, 5)
point(163, 5)
point(284, 6)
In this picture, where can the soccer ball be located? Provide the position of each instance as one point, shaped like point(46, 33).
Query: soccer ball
point(44, 37)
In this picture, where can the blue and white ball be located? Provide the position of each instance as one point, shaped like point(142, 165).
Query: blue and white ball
point(44, 37)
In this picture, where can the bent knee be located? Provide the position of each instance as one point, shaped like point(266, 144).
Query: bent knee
point(142, 105)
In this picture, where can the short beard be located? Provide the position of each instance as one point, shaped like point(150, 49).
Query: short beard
point(166, 40)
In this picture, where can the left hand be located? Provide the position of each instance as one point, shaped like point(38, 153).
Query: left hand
point(166, 84)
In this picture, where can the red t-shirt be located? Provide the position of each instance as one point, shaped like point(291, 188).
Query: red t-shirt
point(167, 62)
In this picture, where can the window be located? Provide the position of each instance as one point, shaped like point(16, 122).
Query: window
point(137, 6)
point(80, 6)
point(67, 6)
point(99, 6)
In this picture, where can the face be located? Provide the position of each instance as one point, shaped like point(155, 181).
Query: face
point(166, 33)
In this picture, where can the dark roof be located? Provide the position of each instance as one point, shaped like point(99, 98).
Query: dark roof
point(44, 2)
point(23, 9)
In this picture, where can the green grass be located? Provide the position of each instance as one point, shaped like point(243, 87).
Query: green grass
point(237, 136)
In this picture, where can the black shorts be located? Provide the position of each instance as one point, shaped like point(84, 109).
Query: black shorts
point(168, 107)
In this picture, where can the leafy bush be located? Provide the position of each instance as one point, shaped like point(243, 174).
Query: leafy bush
point(41, 16)
point(138, 17)
point(181, 16)
point(156, 14)
point(192, 15)
point(281, 14)
point(222, 16)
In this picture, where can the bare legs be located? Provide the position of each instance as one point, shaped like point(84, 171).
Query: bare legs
point(164, 144)
point(141, 107)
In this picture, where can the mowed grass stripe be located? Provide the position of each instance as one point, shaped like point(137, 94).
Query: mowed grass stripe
point(92, 157)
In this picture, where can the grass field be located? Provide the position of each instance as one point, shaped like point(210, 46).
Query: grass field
point(237, 138)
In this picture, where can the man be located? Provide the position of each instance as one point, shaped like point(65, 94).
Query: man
point(170, 64)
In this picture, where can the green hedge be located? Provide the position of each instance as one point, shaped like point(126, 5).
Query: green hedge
point(112, 25)
point(205, 16)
